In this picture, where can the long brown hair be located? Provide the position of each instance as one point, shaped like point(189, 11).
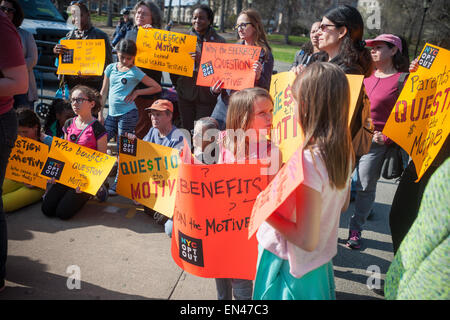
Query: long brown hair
point(240, 115)
point(322, 94)
point(261, 38)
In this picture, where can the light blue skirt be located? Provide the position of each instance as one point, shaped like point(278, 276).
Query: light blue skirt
point(274, 282)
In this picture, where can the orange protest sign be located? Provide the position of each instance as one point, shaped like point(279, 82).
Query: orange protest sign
point(280, 188)
point(26, 161)
point(287, 131)
point(165, 51)
point(76, 166)
point(148, 174)
point(419, 121)
point(83, 57)
point(231, 63)
point(211, 218)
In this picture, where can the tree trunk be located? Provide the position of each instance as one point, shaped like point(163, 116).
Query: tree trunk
point(99, 9)
point(238, 6)
point(110, 9)
point(222, 16)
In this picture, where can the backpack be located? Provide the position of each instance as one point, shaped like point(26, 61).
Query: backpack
point(361, 126)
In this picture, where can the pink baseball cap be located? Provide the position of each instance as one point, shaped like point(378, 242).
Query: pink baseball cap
point(390, 38)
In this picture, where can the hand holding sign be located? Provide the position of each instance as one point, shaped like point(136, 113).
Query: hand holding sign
point(76, 166)
point(419, 121)
point(26, 161)
point(235, 64)
point(81, 57)
point(165, 51)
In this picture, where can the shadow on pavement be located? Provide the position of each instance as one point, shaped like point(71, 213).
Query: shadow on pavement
point(115, 213)
point(37, 283)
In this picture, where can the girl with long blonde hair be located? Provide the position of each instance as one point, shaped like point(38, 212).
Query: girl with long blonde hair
point(298, 241)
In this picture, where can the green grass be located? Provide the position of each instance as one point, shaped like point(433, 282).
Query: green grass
point(283, 52)
point(294, 40)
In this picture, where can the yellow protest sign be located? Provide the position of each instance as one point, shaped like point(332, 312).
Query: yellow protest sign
point(26, 161)
point(165, 51)
point(419, 121)
point(83, 57)
point(287, 131)
point(148, 174)
point(77, 166)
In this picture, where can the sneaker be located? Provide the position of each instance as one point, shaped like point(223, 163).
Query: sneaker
point(354, 239)
point(102, 194)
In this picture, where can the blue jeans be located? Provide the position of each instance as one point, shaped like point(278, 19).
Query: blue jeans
point(8, 135)
point(118, 125)
point(241, 289)
point(368, 171)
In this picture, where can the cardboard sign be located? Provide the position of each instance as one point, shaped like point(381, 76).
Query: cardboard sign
point(211, 219)
point(165, 51)
point(26, 161)
point(419, 121)
point(84, 57)
point(231, 63)
point(288, 133)
point(77, 166)
point(280, 188)
point(148, 174)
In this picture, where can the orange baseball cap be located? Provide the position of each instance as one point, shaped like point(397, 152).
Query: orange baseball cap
point(161, 105)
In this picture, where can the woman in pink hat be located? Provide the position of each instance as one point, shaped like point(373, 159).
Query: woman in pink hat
point(390, 57)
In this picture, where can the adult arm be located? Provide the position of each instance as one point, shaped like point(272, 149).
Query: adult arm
point(266, 73)
point(14, 81)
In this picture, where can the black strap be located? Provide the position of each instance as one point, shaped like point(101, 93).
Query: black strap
point(79, 135)
point(401, 81)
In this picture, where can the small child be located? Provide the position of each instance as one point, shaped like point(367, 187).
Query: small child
point(60, 110)
point(298, 241)
point(205, 140)
point(120, 81)
point(17, 195)
point(250, 110)
point(62, 201)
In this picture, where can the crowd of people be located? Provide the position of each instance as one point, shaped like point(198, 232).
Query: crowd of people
point(295, 255)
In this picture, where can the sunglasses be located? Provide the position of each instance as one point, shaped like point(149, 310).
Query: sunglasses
point(323, 27)
point(7, 10)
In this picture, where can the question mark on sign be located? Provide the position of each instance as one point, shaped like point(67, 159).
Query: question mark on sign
point(206, 171)
point(233, 205)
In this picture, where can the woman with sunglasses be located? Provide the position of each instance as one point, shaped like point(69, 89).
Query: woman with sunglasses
point(340, 36)
point(146, 15)
point(62, 201)
point(310, 51)
point(15, 14)
point(194, 101)
point(84, 29)
point(250, 31)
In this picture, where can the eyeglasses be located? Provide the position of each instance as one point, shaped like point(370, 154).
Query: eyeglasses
point(7, 10)
point(322, 27)
point(78, 100)
point(242, 25)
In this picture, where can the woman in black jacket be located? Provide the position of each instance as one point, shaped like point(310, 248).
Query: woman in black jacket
point(195, 102)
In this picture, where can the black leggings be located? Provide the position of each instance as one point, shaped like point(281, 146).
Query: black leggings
point(406, 203)
point(63, 202)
